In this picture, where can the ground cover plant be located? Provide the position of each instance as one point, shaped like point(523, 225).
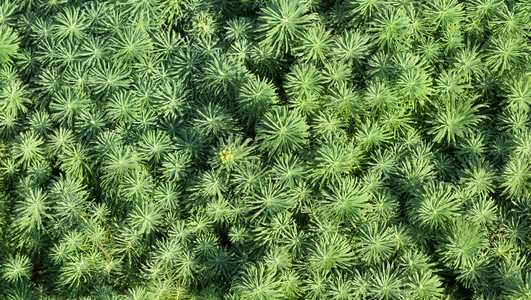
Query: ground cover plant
point(265, 149)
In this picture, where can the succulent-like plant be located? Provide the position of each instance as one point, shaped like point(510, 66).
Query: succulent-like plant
point(8, 43)
point(282, 23)
point(253, 149)
point(282, 131)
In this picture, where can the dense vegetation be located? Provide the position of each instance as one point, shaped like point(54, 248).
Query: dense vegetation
point(265, 149)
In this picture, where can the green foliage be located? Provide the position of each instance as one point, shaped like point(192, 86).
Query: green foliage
point(282, 132)
point(28, 148)
point(16, 269)
point(256, 98)
point(253, 149)
point(462, 243)
point(453, 119)
point(283, 22)
point(346, 200)
point(304, 80)
point(351, 47)
point(270, 199)
point(425, 286)
point(331, 254)
point(386, 283)
point(14, 97)
point(435, 206)
point(258, 284)
point(444, 13)
point(316, 45)
point(332, 161)
point(8, 43)
point(391, 29)
point(376, 243)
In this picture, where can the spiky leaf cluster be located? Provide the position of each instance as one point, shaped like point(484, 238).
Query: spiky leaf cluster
point(252, 149)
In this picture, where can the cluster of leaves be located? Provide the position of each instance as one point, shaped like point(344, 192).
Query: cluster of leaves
point(251, 149)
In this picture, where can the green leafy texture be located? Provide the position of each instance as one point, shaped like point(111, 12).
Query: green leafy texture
point(8, 12)
point(415, 85)
point(222, 75)
point(253, 149)
point(316, 285)
point(278, 260)
point(452, 119)
point(306, 105)
point(71, 196)
point(475, 274)
point(462, 244)
point(435, 206)
point(346, 200)
point(289, 169)
point(484, 212)
point(521, 290)
point(270, 199)
point(304, 81)
point(154, 145)
point(29, 148)
point(385, 283)
point(414, 173)
point(478, 179)
point(174, 165)
point(170, 99)
point(316, 44)
point(377, 243)
point(16, 268)
point(365, 10)
point(75, 161)
point(266, 61)
point(468, 62)
point(33, 210)
point(8, 125)
point(211, 183)
point(256, 97)
point(444, 13)
point(505, 53)
point(425, 286)
point(123, 108)
point(8, 44)
point(68, 105)
point(247, 177)
point(282, 131)
point(71, 23)
point(137, 186)
point(108, 78)
point(515, 178)
point(14, 97)
point(331, 254)
point(519, 94)
point(283, 22)
point(239, 29)
point(371, 136)
point(332, 161)
point(214, 120)
point(327, 125)
point(341, 289)
point(146, 218)
point(75, 273)
point(450, 85)
point(351, 47)
point(119, 162)
point(258, 284)
point(233, 152)
point(391, 29)
point(132, 44)
point(415, 262)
